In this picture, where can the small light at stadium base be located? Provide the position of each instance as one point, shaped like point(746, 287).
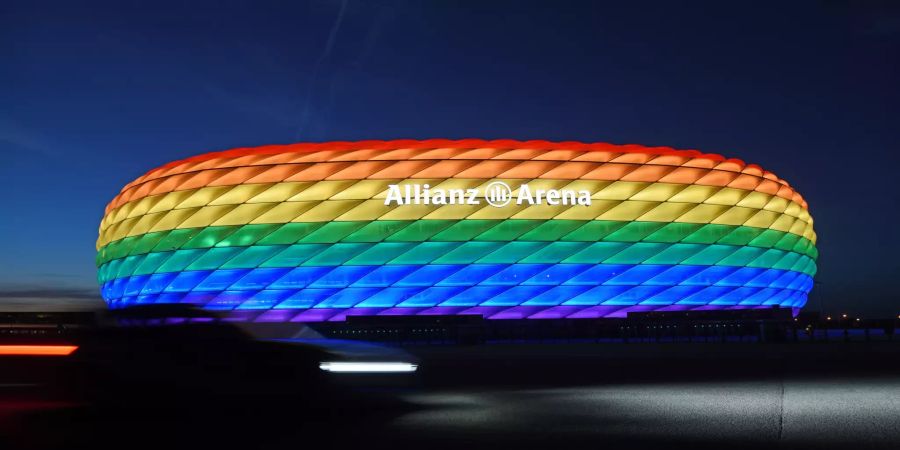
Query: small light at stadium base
point(367, 367)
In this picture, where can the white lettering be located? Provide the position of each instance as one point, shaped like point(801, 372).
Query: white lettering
point(457, 197)
point(584, 198)
point(524, 195)
point(439, 197)
point(415, 194)
point(553, 197)
point(393, 195)
point(473, 196)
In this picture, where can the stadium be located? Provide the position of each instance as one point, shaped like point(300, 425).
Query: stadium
point(502, 229)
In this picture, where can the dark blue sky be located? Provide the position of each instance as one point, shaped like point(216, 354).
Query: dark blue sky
point(94, 94)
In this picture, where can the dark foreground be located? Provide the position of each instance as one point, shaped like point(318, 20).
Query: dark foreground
point(596, 396)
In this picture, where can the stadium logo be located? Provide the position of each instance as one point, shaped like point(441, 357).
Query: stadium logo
point(497, 194)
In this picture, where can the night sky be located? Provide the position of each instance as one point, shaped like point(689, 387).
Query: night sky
point(92, 95)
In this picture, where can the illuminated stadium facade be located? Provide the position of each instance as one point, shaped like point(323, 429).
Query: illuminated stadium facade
point(504, 229)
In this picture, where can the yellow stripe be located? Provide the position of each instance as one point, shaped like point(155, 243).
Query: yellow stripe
point(347, 210)
point(377, 189)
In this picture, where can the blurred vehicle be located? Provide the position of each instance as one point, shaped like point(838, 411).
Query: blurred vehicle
point(177, 354)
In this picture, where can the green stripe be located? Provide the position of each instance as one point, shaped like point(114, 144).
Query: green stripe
point(454, 230)
point(469, 252)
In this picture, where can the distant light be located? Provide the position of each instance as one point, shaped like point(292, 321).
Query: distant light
point(844, 316)
point(367, 367)
point(857, 319)
point(828, 318)
point(37, 350)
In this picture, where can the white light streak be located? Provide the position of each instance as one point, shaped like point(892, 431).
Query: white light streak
point(367, 367)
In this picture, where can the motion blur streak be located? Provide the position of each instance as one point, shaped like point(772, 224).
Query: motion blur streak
point(368, 367)
point(37, 350)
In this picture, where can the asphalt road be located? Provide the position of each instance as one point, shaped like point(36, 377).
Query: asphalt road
point(550, 396)
point(651, 396)
point(824, 413)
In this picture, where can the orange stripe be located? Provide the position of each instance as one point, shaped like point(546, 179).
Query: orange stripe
point(430, 144)
point(462, 169)
point(224, 167)
point(37, 350)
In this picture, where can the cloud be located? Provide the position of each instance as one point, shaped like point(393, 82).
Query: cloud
point(47, 300)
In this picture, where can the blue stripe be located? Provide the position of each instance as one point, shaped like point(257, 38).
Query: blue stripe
point(464, 285)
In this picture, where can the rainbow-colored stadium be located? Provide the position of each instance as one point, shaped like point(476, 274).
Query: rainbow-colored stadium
point(316, 232)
